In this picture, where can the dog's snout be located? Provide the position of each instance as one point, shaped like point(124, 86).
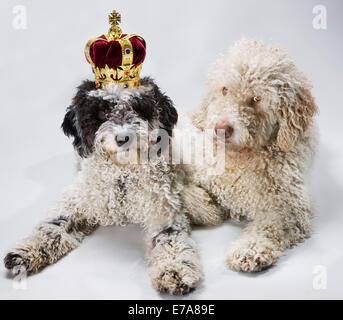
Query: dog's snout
point(226, 127)
point(122, 139)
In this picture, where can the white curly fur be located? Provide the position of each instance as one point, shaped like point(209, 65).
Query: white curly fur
point(268, 154)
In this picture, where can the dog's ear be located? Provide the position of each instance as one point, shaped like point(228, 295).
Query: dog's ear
point(81, 112)
point(69, 128)
point(68, 124)
point(295, 118)
point(154, 103)
point(168, 115)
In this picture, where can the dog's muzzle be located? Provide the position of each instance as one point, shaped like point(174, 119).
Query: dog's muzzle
point(223, 128)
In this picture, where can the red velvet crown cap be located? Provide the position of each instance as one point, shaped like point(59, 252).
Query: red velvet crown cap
point(104, 52)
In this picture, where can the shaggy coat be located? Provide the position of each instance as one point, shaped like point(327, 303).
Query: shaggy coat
point(262, 101)
point(104, 124)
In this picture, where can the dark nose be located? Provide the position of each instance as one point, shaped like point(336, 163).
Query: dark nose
point(122, 139)
point(223, 125)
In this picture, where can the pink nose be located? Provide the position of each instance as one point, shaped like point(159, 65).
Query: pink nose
point(223, 125)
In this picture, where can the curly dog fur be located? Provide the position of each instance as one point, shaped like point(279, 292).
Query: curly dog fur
point(262, 100)
point(107, 192)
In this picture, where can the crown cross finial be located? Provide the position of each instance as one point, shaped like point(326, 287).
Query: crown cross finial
point(114, 18)
point(115, 32)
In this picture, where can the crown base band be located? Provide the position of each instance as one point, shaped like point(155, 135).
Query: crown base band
point(125, 76)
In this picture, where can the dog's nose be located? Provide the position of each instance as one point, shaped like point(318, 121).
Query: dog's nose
point(223, 125)
point(122, 139)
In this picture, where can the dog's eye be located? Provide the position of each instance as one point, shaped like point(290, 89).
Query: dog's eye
point(225, 91)
point(103, 115)
point(255, 99)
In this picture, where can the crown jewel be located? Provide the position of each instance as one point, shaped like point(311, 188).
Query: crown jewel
point(116, 57)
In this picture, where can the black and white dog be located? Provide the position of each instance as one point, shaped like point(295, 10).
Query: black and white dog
point(105, 124)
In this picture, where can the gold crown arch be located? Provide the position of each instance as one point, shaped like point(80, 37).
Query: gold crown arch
point(127, 74)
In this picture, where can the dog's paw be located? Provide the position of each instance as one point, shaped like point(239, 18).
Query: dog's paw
point(251, 257)
point(171, 282)
point(178, 281)
point(15, 263)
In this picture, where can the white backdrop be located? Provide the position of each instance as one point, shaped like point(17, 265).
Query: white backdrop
point(40, 67)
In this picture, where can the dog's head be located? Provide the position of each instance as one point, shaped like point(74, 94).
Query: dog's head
point(258, 97)
point(113, 120)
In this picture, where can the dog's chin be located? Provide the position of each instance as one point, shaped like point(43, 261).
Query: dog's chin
point(122, 157)
point(238, 141)
point(233, 147)
point(229, 142)
point(119, 158)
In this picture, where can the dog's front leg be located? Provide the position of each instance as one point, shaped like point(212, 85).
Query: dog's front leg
point(265, 238)
point(201, 208)
point(51, 239)
point(172, 257)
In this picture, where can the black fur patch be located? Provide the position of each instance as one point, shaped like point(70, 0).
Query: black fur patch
point(165, 232)
point(11, 260)
point(168, 231)
point(45, 254)
point(59, 220)
point(82, 118)
point(55, 222)
point(156, 104)
point(122, 185)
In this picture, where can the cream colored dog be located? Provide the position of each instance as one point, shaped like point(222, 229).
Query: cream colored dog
point(263, 102)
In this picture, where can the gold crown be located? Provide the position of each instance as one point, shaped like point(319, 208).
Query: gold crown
point(116, 58)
